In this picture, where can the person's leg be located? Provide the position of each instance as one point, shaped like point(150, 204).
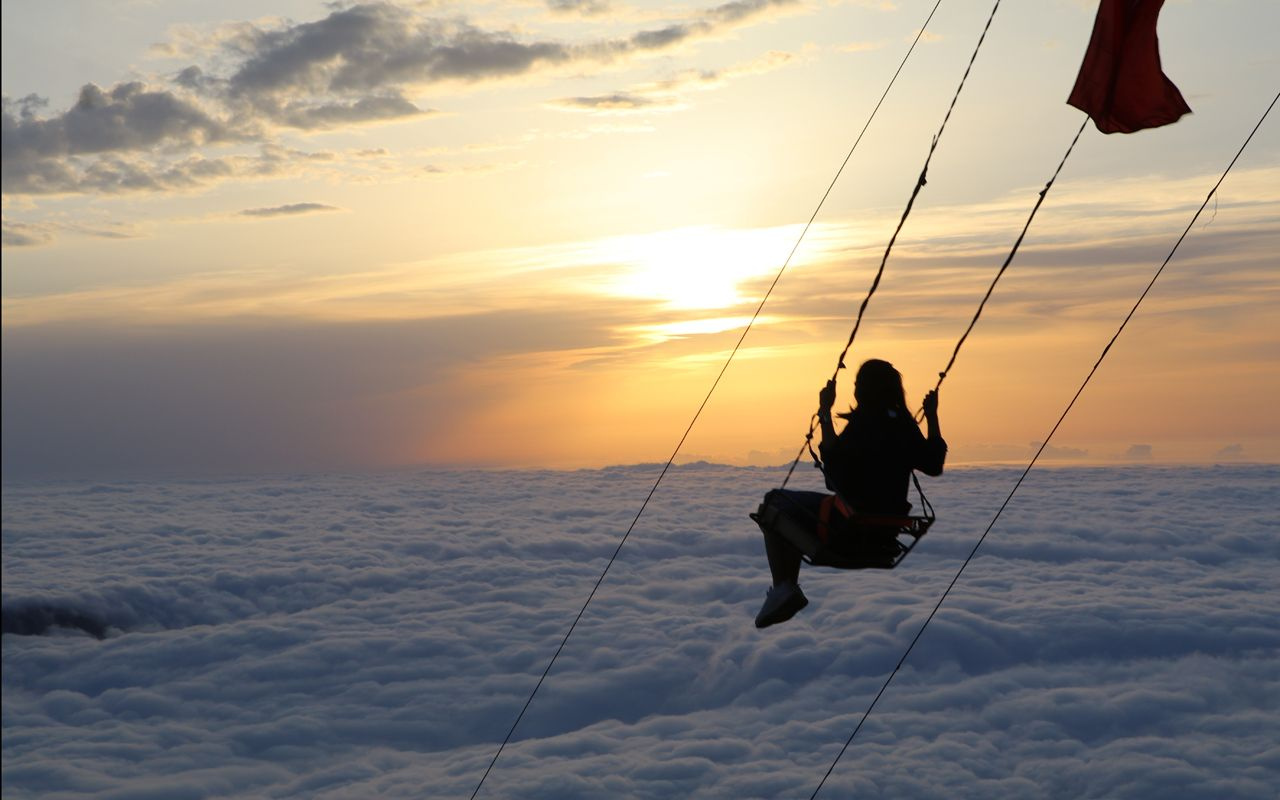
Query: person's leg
point(784, 559)
point(785, 597)
point(801, 510)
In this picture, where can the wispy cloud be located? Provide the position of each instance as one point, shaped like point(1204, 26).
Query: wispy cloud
point(30, 234)
point(22, 234)
point(936, 274)
point(667, 95)
point(289, 210)
point(588, 8)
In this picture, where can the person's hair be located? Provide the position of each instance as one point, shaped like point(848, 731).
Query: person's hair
point(878, 387)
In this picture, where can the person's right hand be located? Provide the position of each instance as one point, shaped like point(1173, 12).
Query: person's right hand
point(827, 397)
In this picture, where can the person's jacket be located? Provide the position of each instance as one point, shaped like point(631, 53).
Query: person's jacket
point(869, 464)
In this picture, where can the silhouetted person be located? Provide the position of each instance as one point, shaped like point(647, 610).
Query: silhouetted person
point(868, 465)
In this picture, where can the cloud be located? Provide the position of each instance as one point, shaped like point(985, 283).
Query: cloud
point(1054, 451)
point(665, 95)
point(105, 231)
point(290, 210)
point(342, 635)
point(24, 234)
point(951, 258)
point(381, 48)
point(39, 153)
point(584, 7)
point(35, 619)
point(355, 66)
point(1231, 451)
point(372, 47)
point(613, 102)
point(339, 114)
point(1138, 452)
point(226, 396)
point(128, 117)
point(121, 173)
point(437, 170)
point(27, 234)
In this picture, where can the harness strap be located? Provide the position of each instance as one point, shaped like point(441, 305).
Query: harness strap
point(831, 501)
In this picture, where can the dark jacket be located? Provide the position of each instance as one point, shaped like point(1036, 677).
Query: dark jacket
point(869, 464)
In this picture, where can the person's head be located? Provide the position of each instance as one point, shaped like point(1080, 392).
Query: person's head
point(878, 387)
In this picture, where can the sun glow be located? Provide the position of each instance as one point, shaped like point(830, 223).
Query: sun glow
point(693, 268)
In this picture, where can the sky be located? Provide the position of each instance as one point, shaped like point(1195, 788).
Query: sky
point(261, 237)
point(339, 636)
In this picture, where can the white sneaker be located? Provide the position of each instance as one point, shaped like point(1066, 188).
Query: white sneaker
point(781, 604)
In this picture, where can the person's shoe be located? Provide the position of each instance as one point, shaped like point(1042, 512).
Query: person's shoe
point(781, 604)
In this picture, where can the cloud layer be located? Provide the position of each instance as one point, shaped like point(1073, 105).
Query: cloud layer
point(338, 636)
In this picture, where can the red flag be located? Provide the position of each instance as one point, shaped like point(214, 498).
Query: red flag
point(1121, 85)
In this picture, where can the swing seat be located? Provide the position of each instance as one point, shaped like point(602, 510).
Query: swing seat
point(830, 538)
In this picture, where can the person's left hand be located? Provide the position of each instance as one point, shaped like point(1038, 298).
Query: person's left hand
point(930, 404)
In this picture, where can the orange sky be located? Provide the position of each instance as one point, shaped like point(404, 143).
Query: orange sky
point(303, 254)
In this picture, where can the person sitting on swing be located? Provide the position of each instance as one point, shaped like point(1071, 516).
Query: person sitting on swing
point(868, 465)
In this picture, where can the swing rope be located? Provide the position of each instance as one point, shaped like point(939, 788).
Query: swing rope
point(1008, 260)
point(875, 283)
point(714, 384)
point(1043, 445)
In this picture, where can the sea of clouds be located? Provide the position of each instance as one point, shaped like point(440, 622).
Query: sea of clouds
point(346, 636)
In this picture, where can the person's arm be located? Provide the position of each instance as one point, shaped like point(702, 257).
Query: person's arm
point(935, 450)
point(827, 399)
point(829, 446)
point(931, 414)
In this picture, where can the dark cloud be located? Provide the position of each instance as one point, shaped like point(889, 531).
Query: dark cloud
point(292, 209)
point(377, 48)
point(127, 117)
point(372, 51)
point(38, 152)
